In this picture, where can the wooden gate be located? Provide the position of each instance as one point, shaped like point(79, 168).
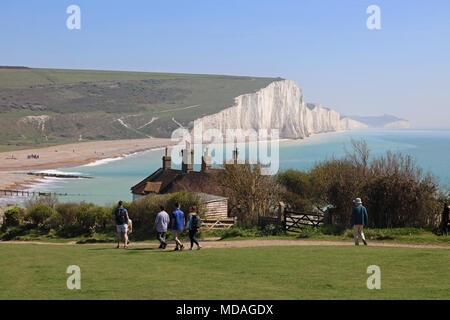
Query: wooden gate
point(295, 221)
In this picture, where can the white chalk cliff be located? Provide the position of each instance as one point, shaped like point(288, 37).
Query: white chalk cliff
point(280, 106)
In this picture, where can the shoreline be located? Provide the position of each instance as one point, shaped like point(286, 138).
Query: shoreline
point(14, 165)
point(13, 175)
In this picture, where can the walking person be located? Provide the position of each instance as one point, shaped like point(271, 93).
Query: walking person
point(193, 224)
point(121, 217)
point(177, 226)
point(359, 219)
point(444, 219)
point(161, 223)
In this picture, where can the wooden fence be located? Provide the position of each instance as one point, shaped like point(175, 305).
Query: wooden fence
point(221, 224)
point(295, 221)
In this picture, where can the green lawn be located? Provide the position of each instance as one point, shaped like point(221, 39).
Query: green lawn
point(38, 272)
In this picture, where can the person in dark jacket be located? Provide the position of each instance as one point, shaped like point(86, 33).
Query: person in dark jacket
point(359, 220)
point(444, 219)
point(192, 226)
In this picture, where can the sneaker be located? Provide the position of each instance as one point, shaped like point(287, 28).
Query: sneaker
point(190, 249)
point(365, 243)
point(199, 247)
point(164, 245)
point(176, 249)
point(118, 246)
point(126, 247)
point(182, 247)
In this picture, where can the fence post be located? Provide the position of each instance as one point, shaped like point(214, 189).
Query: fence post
point(282, 213)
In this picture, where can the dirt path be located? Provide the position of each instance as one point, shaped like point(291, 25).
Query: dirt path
point(215, 243)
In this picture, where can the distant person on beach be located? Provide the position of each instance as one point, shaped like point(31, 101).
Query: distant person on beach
point(359, 219)
point(121, 217)
point(177, 226)
point(193, 224)
point(161, 224)
point(444, 219)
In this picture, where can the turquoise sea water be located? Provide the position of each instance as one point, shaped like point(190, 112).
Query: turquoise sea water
point(112, 180)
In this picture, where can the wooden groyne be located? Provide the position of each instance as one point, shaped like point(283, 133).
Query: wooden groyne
point(27, 193)
point(58, 175)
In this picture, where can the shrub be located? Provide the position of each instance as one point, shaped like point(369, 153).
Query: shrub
point(50, 200)
point(393, 188)
point(39, 213)
point(13, 217)
point(68, 213)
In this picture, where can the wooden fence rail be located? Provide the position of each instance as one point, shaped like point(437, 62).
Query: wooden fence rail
point(295, 221)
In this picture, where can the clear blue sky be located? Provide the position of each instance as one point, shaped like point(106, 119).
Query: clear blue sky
point(324, 45)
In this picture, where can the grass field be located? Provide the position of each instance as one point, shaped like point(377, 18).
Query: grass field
point(88, 103)
point(38, 272)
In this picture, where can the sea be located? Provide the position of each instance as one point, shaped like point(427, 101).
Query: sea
point(112, 178)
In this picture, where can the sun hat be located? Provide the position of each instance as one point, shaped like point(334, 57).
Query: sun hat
point(357, 201)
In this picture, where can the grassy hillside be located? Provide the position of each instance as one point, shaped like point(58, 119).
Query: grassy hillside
point(40, 107)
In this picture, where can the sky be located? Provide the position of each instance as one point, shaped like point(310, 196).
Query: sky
point(324, 45)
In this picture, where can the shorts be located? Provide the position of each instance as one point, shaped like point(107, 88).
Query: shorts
point(122, 228)
point(176, 233)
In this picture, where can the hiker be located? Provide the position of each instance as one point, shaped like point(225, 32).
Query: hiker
point(193, 224)
point(121, 216)
point(161, 223)
point(177, 226)
point(359, 219)
point(444, 219)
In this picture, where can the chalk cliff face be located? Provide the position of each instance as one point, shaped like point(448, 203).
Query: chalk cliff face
point(401, 124)
point(280, 106)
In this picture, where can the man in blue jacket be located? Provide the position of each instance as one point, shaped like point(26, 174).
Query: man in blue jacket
point(359, 219)
point(177, 226)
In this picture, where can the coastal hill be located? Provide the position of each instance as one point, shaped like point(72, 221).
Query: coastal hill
point(44, 107)
point(384, 121)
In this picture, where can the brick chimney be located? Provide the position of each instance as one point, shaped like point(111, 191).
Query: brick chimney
point(166, 160)
point(206, 161)
point(188, 159)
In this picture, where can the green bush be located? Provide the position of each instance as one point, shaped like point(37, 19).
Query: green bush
point(40, 213)
point(68, 212)
point(13, 217)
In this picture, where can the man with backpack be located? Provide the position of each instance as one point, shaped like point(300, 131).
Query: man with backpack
point(193, 224)
point(121, 217)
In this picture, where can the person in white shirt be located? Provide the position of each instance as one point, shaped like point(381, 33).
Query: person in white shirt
point(161, 223)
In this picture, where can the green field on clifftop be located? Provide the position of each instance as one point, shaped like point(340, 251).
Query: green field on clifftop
point(40, 107)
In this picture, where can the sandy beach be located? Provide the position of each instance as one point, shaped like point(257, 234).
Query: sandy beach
point(15, 164)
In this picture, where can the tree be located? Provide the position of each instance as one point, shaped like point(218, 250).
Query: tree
point(250, 194)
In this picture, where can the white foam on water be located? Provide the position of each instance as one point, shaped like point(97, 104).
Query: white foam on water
point(103, 161)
